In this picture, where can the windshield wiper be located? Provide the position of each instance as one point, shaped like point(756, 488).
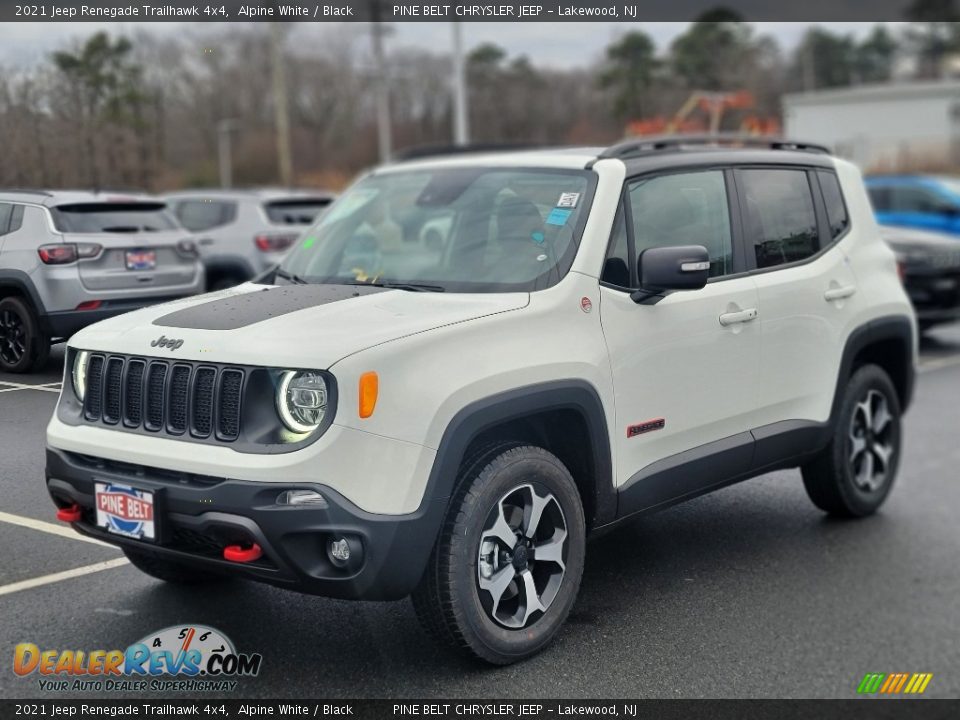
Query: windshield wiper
point(295, 279)
point(410, 287)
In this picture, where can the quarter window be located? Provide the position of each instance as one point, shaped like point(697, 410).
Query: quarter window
point(616, 268)
point(833, 200)
point(778, 215)
point(684, 209)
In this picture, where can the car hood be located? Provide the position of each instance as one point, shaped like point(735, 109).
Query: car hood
point(310, 326)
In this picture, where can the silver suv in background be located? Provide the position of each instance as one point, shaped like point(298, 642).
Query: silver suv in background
point(242, 233)
point(71, 258)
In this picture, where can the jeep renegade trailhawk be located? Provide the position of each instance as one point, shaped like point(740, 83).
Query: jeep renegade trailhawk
point(597, 334)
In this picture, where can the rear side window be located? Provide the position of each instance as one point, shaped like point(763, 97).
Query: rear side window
point(113, 218)
point(295, 212)
point(16, 218)
point(915, 199)
point(778, 215)
point(833, 201)
point(6, 210)
point(199, 215)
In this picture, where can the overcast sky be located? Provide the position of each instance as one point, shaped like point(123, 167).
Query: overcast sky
point(552, 44)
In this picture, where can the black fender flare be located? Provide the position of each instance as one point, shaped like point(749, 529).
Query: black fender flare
point(515, 404)
point(21, 282)
point(896, 328)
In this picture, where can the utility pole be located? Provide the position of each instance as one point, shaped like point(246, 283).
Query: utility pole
point(382, 88)
point(281, 111)
point(461, 122)
point(224, 130)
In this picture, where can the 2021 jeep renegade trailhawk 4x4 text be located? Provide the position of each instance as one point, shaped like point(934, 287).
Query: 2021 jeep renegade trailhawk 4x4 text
point(590, 335)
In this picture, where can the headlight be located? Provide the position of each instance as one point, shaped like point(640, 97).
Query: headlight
point(80, 374)
point(302, 400)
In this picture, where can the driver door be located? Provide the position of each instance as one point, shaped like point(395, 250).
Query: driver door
point(685, 369)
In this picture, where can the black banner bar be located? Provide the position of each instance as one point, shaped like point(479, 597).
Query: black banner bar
point(857, 709)
point(446, 11)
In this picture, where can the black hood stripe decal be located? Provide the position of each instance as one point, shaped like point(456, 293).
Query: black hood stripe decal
point(237, 311)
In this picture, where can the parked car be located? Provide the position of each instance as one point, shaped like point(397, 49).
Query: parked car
point(68, 259)
point(244, 232)
point(602, 333)
point(930, 267)
point(927, 202)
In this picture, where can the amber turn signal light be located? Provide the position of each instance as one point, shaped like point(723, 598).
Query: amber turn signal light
point(369, 387)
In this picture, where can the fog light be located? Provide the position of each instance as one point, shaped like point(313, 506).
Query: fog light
point(301, 497)
point(340, 550)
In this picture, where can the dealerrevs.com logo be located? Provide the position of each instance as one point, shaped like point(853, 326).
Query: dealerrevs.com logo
point(187, 658)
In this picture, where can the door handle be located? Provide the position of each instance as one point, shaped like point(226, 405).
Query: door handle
point(839, 293)
point(742, 316)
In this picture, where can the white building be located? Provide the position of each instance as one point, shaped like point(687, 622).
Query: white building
point(893, 126)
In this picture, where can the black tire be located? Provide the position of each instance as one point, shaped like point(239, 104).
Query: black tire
point(838, 480)
point(24, 347)
point(171, 572)
point(449, 600)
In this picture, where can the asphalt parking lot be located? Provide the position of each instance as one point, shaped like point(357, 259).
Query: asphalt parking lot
point(749, 592)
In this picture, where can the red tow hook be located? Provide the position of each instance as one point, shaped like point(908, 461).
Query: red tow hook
point(69, 514)
point(240, 554)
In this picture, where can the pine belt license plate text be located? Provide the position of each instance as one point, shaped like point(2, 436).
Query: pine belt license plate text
point(141, 259)
point(124, 510)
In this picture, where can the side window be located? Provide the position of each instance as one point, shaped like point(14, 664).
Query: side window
point(6, 210)
point(616, 267)
point(778, 216)
point(914, 199)
point(684, 209)
point(833, 200)
point(879, 197)
point(199, 215)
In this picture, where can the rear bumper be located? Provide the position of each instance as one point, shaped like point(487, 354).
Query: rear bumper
point(65, 323)
point(197, 516)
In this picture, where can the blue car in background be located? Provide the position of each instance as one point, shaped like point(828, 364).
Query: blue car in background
point(929, 202)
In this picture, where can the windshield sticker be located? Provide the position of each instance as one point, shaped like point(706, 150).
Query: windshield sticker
point(568, 200)
point(349, 204)
point(559, 217)
point(537, 237)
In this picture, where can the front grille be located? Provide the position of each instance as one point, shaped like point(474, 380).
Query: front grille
point(165, 397)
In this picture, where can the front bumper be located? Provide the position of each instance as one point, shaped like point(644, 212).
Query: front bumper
point(197, 516)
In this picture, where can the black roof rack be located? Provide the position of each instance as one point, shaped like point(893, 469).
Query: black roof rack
point(25, 191)
point(425, 151)
point(659, 143)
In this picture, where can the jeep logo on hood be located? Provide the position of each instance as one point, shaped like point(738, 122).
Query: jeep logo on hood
point(164, 342)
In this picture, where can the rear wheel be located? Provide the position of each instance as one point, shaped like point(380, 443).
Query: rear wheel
point(169, 571)
point(23, 344)
point(854, 474)
point(506, 569)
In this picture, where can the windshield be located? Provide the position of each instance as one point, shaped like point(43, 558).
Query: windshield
point(296, 212)
point(455, 229)
point(113, 217)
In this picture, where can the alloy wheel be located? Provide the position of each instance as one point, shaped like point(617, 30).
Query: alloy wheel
point(13, 337)
point(522, 556)
point(871, 442)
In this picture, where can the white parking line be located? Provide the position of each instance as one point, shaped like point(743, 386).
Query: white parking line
point(65, 575)
point(61, 530)
point(46, 387)
point(939, 363)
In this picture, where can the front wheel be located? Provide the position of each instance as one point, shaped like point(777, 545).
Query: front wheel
point(506, 569)
point(853, 475)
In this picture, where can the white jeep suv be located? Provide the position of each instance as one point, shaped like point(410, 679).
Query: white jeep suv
point(599, 333)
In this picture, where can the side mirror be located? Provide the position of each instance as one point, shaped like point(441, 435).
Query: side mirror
point(665, 269)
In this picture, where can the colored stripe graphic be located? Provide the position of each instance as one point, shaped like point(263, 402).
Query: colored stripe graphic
point(894, 683)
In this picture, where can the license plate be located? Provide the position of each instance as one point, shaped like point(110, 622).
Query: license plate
point(141, 259)
point(125, 510)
